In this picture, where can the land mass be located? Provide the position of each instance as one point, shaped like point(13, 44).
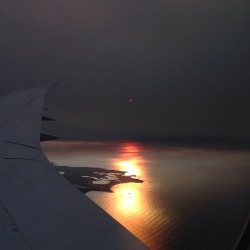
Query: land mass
point(95, 179)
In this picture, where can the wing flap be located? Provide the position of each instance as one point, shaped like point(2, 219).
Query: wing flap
point(15, 151)
point(28, 106)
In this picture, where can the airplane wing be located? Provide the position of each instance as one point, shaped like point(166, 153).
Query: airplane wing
point(39, 208)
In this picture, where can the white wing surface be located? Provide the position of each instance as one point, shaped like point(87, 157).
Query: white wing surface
point(39, 208)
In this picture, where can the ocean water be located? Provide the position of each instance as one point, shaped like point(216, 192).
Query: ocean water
point(191, 198)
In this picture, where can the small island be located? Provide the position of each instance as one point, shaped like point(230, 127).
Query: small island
point(95, 179)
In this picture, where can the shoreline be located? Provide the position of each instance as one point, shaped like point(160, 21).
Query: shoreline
point(84, 177)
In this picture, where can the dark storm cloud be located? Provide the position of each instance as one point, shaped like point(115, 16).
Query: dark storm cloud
point(185, 63)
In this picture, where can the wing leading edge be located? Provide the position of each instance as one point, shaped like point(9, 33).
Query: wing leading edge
point(39, 209)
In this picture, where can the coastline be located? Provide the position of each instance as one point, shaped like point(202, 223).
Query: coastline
point(95, 179)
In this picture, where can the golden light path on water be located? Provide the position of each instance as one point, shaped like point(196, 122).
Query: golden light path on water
point(130, 198)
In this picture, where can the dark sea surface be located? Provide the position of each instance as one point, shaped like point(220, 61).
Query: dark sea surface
point(191, 197)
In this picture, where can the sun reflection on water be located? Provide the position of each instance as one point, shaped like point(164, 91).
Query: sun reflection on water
point(131, 167)
point(133, 205)
point(129, 196)
point(130, 159)
point(129, 200)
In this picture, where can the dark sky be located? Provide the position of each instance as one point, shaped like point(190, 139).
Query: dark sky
point(186, 64)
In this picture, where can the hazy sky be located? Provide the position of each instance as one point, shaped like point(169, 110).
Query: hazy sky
point(186, 64)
